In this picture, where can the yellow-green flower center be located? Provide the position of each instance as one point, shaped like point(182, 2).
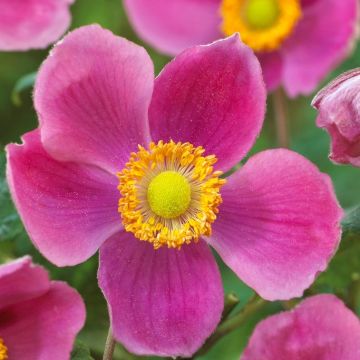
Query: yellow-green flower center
point(261, 14)
point(3, 350)
point(263, 24)
point(169, 194)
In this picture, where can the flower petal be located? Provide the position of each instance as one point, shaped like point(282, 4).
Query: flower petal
point(321, 327)
point(163, 302)
point(278, 225)
point(305, 3)
point(45, 327)
point(32, 24)
point(92, 95)
point(20, 280)
point(318, 44)
point(271, 64)
point(68, 209)
point(211, 96)
point(339, 113)
point(172, 26)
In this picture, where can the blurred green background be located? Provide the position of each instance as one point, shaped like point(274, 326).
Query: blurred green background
point(15, 119)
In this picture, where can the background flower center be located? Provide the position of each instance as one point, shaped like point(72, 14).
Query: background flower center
point(169, 194)
point(261, 14)
point(263, 24)
point(3, 350)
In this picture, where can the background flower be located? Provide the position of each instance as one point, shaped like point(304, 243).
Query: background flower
point(39, 318)
point(320, 327)
point(32, 24)
point(306, 53)
point(339, 113)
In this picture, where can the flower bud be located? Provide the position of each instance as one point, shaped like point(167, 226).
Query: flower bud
point(339, 113)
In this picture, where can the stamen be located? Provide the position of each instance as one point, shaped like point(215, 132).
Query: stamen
point(3, 350)
point(169, 194)
point(263, 24)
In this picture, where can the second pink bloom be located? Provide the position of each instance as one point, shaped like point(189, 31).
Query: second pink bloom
point(322, 36)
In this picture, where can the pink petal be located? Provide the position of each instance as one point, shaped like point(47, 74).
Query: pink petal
point(20, 280)
point(45, 327)
point(320, 328)
point(92, 94)
point(339, 113)
point(278, 225)
point(320, 41)
point(32, 24)
point(162, 302)
point(68, 209)
point(272, 66)
point(305, 3)
point(172, 26)
point(213, 96)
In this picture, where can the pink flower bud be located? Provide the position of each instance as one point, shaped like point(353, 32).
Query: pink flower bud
point(339, 113)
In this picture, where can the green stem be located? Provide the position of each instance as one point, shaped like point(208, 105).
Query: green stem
point(280, 119)
point(289, 304)
point(255, 304)
point(231, 300)
point(109, 346)
point(354, 294)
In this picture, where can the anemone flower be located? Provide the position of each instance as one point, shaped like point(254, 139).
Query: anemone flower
point(32, 24)
point(298, 42)
point(39, 318)
point(133, 164)
point(319, 328)
point(339, 113)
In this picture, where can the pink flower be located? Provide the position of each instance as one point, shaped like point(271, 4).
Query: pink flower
point(320, 328)
point(32, 24)
point(106, 125)
point(339, 113)
point(39, 318)
point(298, 42)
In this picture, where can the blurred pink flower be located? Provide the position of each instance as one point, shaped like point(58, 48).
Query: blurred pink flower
point(97, 100)
point(32, 24)
point(319, 328)
point(39, 318)
point(339, 113)
point(298, 42)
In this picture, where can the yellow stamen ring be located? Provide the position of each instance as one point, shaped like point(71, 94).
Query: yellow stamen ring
point(3, 350)
point(169, 194)
point(263, 24)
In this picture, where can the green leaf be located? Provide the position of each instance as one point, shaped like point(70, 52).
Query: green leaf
point(81, 352)
point(22, 84)
point(345, 266)
point(10, 224)
point(351, 223)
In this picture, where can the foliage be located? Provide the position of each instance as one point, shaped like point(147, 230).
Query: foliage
point(11, 228)
point(343, 274)
point(25, 82)
point(81, 352)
